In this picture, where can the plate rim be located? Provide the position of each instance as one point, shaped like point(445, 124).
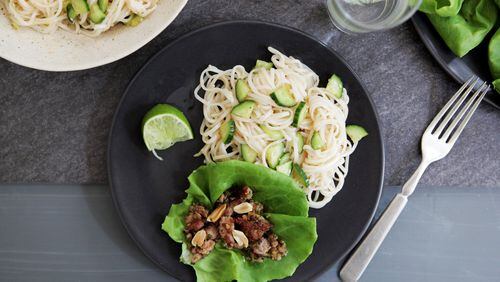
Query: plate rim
point(98, 63)
point(170, 44)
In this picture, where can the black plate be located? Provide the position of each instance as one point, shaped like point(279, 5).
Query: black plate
point(143, 188)
point(461, 69)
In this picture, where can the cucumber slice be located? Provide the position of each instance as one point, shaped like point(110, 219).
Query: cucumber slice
point(274, 134)
point(355, 132)
point(335, 86)
point(263, 64)
point(248, 154)
point(134, 21)
point(96, 15)
point(71, 13)
point(283, 96)
point(285, 168)
point(300, 142)
point(242, 90)
point(316, 142)
point(284, 158)
point(103, 5)
point(227, 131)
point(80, 6)
point(300, 114)
point(274, 153)
point(244, 109)
point(299, 176)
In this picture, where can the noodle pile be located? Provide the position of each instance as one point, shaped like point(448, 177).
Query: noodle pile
point(326, 168)
point(47, 16)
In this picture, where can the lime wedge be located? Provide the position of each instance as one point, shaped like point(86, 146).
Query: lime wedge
point(163, 126)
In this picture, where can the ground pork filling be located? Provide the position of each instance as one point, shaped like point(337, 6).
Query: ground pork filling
point(237, 222)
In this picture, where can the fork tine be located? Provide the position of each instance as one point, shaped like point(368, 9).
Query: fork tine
point(464, 122)
point(456, 105)
point(450, 102)
point(462, 112)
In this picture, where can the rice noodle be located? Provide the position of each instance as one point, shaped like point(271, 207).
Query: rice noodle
point(326, 168)
point(47, 16)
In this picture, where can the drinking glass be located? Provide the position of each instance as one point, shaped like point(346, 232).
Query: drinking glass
point(360, 16)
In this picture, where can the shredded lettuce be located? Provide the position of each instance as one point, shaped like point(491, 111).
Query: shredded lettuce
point(285, 206)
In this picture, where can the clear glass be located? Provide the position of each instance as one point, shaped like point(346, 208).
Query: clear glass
point(360, 16)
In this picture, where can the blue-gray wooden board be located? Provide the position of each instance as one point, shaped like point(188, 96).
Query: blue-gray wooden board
point(72, 233)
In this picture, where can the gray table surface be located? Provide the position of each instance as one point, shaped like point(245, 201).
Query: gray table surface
point(72, 233)
point(54, 126)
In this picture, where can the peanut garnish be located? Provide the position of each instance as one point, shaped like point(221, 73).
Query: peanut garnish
point(240, 238)
point(217, 213)
point(243, 208)
point(199, 238)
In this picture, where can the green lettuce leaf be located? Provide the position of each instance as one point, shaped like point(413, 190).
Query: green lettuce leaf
point(442, 8)
point(286, 208)
point(494, 59)
point(464, 31)
point(496, 85)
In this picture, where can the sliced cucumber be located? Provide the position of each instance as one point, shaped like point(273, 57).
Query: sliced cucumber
point(14, 25)
point(103, 5)
point(300, 143)
point(300, 114)
point(285, 168)
point(244, 109)
point(134, 21)
point(300, 176)
point(96, 15)
point(248, 154)
point(316, 142)
point(284, 158)
point(355, 132)
point(274, 134)
point(263, 64)
point(71, 13)
point(242, 90)
point(283, 96)
point(80, 6)
point(273, 154)
point(227, 131)
point(335, 86)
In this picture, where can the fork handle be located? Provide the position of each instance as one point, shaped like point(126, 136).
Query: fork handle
point(411, 184)
point(359, 260)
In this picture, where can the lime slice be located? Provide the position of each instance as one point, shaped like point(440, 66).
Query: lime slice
point(163, 126)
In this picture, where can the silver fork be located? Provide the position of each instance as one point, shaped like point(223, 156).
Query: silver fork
point(437, 141)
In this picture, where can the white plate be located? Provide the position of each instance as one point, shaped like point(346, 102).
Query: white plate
point(65, 51)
